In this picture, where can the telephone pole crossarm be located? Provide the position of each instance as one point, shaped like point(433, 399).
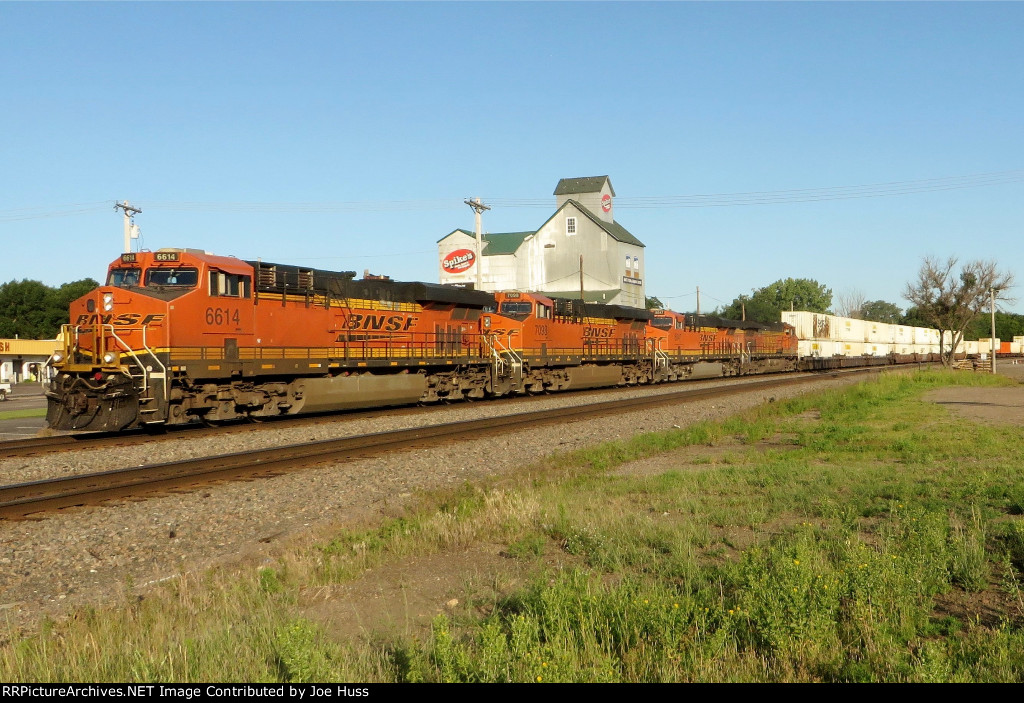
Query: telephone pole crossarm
point(129, 213)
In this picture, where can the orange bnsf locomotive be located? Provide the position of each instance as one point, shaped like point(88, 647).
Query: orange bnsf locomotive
point(177, 336)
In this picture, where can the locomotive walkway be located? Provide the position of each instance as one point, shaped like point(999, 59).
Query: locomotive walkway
point(38, 497)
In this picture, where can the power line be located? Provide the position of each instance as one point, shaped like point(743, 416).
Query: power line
point(802, 195)
point(705, 200)
point(37, 213)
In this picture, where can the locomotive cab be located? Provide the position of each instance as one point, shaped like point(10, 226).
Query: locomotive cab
point(112, 370)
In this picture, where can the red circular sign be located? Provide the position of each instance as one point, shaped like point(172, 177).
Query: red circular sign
point(606, 202)
point(458, 261)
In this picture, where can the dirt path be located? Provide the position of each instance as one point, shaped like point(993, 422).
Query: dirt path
point(987, 405)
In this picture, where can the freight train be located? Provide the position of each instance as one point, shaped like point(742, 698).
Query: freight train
point(176, 336)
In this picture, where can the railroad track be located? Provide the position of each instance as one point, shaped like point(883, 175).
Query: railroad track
point(38, 446)
point(37, 497)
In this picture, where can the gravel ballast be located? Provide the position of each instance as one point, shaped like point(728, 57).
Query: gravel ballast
point(91, 556)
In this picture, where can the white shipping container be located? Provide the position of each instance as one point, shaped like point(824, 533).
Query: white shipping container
point(871, 349)
point(879, 332)
point(985, 345)
point(925, 335)
point(850, 330)
point(947, 340)
point(817, 347)
point(810, 325)
point(808, 347)
point(903, 335)
point(971, 348)
point(831, 348)
point(1019, 340)
point(1016, 347)
point(850, 348)
point(823, 326)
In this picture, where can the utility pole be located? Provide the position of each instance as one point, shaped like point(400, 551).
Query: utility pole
point(698, 304)
point(583, 299)
point(992, 293)
point(129, 222)
point(478, 210)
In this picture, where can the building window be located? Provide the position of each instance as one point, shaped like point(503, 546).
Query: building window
point(636, 265)
point(570, 226)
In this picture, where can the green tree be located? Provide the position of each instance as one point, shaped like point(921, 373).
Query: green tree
point(653, 303)
point(1008, 326)
point(913, 318)
point(33, 310)
point(766, 304)
point(24, 307)
point(61, 298)
point(949, 300)
point(881, 311)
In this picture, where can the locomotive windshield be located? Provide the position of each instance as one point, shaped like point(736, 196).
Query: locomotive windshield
point(123, 278)
point(175, 277)
point(516, 309)
point(662, 323)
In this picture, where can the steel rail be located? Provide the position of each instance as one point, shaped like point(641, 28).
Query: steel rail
point(37, 446)
point(27, 499)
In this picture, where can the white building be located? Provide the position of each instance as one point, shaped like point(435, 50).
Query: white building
point(582, 230)
point(24, 359)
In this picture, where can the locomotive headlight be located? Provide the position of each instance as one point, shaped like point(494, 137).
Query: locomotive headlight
point(57, 357)
point(108, 302)
point(109, 357)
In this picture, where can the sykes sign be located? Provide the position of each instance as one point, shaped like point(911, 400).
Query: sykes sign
point(459, 261)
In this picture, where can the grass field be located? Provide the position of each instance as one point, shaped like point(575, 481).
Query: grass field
point(856, 535)
point(17, 414)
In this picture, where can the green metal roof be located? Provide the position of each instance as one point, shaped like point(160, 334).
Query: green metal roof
point(498, 243)
point(618, 231)
point(495, 243)
point(575, 186)
point(455, 231)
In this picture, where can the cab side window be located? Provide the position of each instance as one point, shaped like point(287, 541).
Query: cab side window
point(229, 285)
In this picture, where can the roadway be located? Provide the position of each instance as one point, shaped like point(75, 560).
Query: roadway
point(23, 396)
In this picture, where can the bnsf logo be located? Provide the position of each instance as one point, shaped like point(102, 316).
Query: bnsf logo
point(125, 318)
point(597, 332)
point(458, 261)
point(392, 323)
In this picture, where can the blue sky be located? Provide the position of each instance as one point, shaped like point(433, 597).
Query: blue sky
point(346, 135)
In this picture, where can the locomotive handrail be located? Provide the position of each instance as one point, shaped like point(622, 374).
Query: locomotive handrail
point(163, 367)
point(146, 373)
point(498, 353)
point(659, 358)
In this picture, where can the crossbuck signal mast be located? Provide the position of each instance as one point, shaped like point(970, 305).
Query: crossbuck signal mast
point(131, 230)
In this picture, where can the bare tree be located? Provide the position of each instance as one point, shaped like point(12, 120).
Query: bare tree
point(951, 301)
point(851, 304)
